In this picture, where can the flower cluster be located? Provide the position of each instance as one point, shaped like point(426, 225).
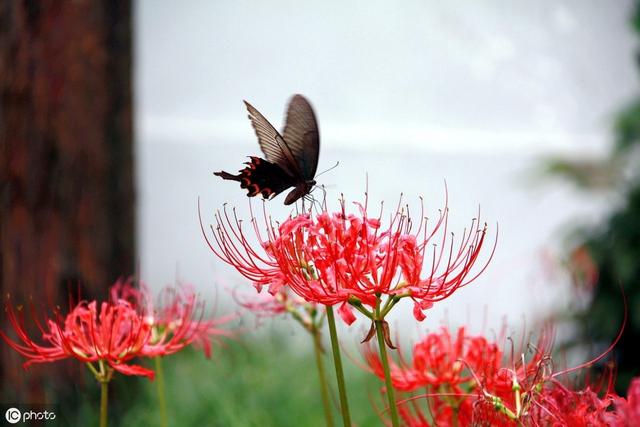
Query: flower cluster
point(466, 379)
point(115, 332)
point(351, 259)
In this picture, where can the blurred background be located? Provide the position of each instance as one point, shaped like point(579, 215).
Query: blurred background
point(114, 117)
point(411, 96)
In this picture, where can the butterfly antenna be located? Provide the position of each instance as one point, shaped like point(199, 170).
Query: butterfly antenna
point(327, 170)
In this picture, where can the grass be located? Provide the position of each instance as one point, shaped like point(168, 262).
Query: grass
point(263, 382)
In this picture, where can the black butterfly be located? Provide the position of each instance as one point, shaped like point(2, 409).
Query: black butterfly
point(291, 158)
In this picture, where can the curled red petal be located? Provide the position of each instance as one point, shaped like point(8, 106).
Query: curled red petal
point(346, 313)
point(418, 313)
point(133, 370)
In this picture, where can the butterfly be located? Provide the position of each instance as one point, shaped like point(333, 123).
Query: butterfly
point(291, 159)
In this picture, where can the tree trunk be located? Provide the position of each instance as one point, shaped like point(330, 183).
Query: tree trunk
point(66, 158)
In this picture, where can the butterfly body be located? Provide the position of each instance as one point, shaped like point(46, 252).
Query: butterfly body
point(291, 158)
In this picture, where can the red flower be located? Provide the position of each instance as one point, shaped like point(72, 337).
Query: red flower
point(177, 321)
point(340, 258)
point(507, 394)
point(559, 406)
point(445, 368)
point(281, 303)
point(464, 380)
point(267, 305)
point(108, 332)
point(442, 362)
point(633, 400)
point(630, 407)
point(118, 331)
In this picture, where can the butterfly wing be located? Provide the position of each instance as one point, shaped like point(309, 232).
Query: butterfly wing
point(272, 143)
point(302, 137)
point(291, 161)
point(261, 177)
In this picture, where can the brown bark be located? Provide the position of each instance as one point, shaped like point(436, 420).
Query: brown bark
point(66, 158)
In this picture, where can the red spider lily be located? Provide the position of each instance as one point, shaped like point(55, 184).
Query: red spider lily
point(281, 303)
point(520, 376)
point(107, 332)
point(559, 406)
point(118, 331)
point(442, 366)
point(177, 321)
point(467, 382)
point(340, 258)
point(630, 406)
point(442, 362)
point(267, 305)
point(556, 405)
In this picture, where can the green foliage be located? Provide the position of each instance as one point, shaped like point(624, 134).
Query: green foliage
point(627, 127)
point(263, 382)
point(615, 249)
point(587, 174)
point(254, 381)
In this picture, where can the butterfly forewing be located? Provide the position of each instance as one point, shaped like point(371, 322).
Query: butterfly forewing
point(271, 142)
point(302, 137)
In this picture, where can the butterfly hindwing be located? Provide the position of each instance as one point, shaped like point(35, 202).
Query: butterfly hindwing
point(261, 177)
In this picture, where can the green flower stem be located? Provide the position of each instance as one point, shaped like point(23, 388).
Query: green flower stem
point(358, 306)
point(103, 376)
point(162, 403)
point(93, 370)
point(104, 399)
point(387, 376)
point(391, 302)
point(382, 348)
point(324, 388)
point(344, 405)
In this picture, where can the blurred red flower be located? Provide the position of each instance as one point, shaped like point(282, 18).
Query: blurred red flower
point(178, 320)
point(466, 380)
point(630, 407)
point(442, 361)
point(118, 331)
point(267, 305)
point(111, 332)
